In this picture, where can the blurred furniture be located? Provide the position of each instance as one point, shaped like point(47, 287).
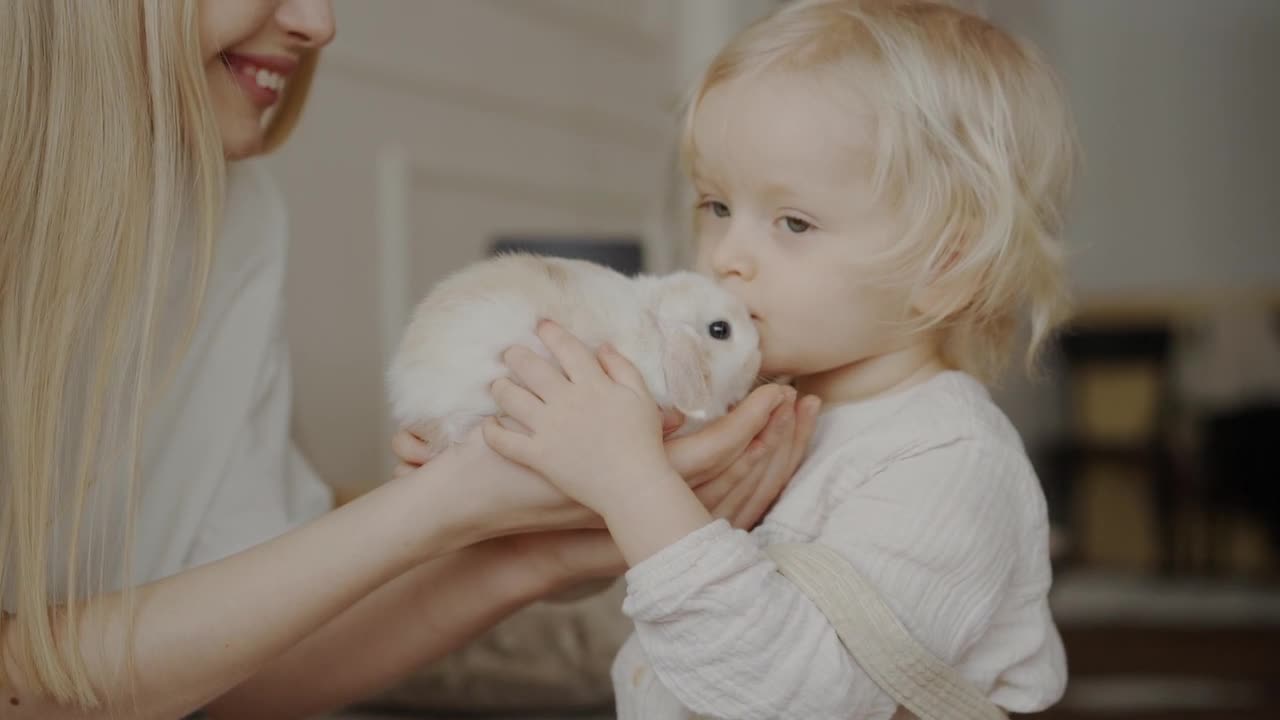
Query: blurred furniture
point(1239, 475)
point(1170, 672)
point(1170, 418)
point(1119, 408)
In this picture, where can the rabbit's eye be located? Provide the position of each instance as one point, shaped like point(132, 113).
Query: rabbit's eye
point(719, 330)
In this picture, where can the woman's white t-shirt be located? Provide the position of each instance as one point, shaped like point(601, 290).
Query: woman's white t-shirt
point(222, 473)
point(219, 471)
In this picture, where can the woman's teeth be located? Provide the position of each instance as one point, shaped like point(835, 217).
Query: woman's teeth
point(264, 77)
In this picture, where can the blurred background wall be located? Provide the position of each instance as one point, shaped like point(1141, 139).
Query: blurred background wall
point(436, 125)
point(1177, 104)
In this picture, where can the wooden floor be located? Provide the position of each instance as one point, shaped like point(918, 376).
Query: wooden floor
point(1129, 671)
point(1171, 673)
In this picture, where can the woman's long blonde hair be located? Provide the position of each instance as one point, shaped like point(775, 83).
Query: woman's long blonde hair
point(111, 181)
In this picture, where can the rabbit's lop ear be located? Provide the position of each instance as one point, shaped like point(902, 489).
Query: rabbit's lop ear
point(688, 373)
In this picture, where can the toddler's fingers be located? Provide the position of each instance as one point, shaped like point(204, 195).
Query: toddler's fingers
point(578, 361)
point(533, 372)
point(618, 367)
point(514, 446)
point(518, 403)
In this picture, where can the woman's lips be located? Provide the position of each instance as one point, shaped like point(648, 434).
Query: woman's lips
point(261, 77)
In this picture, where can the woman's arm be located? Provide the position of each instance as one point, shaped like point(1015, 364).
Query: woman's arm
point(440, 605)
point(238, 634)
point(416, 618)
point(203, 631)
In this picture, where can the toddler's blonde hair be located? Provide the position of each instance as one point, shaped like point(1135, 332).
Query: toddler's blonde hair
point(974, 147)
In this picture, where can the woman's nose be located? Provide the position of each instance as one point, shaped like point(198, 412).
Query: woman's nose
point(309, 22)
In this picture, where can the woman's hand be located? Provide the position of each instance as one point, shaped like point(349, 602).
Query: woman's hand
point(737, 470)
point(498, 497)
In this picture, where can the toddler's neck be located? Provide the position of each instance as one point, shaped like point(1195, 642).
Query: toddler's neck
point(875, 376)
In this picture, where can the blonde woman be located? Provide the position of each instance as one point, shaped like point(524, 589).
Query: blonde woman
point(163, 548)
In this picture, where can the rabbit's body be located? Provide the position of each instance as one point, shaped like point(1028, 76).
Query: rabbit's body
point(451, 352)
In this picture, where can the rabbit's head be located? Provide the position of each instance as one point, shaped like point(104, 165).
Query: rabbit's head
point(710, 348)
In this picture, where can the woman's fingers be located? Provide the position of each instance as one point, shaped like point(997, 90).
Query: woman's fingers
point(713, 492)
point(708, 452)
point(410, 448)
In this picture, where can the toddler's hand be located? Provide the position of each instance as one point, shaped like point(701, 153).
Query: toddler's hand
point(593, 429)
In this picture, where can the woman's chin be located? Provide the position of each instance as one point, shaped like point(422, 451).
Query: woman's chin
point(242, 136)
point(241, 148)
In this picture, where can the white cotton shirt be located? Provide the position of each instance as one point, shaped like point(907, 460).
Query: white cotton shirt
point(219, 472)
point(929, 494)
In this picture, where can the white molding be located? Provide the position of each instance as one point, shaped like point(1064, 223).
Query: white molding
point(392, 189)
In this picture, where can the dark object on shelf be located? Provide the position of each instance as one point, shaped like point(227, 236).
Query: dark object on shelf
point(624, 254)
point(1240, 472)
point(1064, 460)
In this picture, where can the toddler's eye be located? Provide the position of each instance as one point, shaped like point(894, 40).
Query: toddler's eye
point(796, 225)
point(717, 208)
point(720, 330)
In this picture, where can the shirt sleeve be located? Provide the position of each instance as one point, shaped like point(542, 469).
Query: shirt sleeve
point(935, 532)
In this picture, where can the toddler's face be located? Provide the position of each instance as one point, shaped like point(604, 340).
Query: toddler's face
point(789, 223)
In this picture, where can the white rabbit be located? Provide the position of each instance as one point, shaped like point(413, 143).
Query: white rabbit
point(693, 343)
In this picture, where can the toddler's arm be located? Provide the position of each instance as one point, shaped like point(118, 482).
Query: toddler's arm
point(937, 533)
